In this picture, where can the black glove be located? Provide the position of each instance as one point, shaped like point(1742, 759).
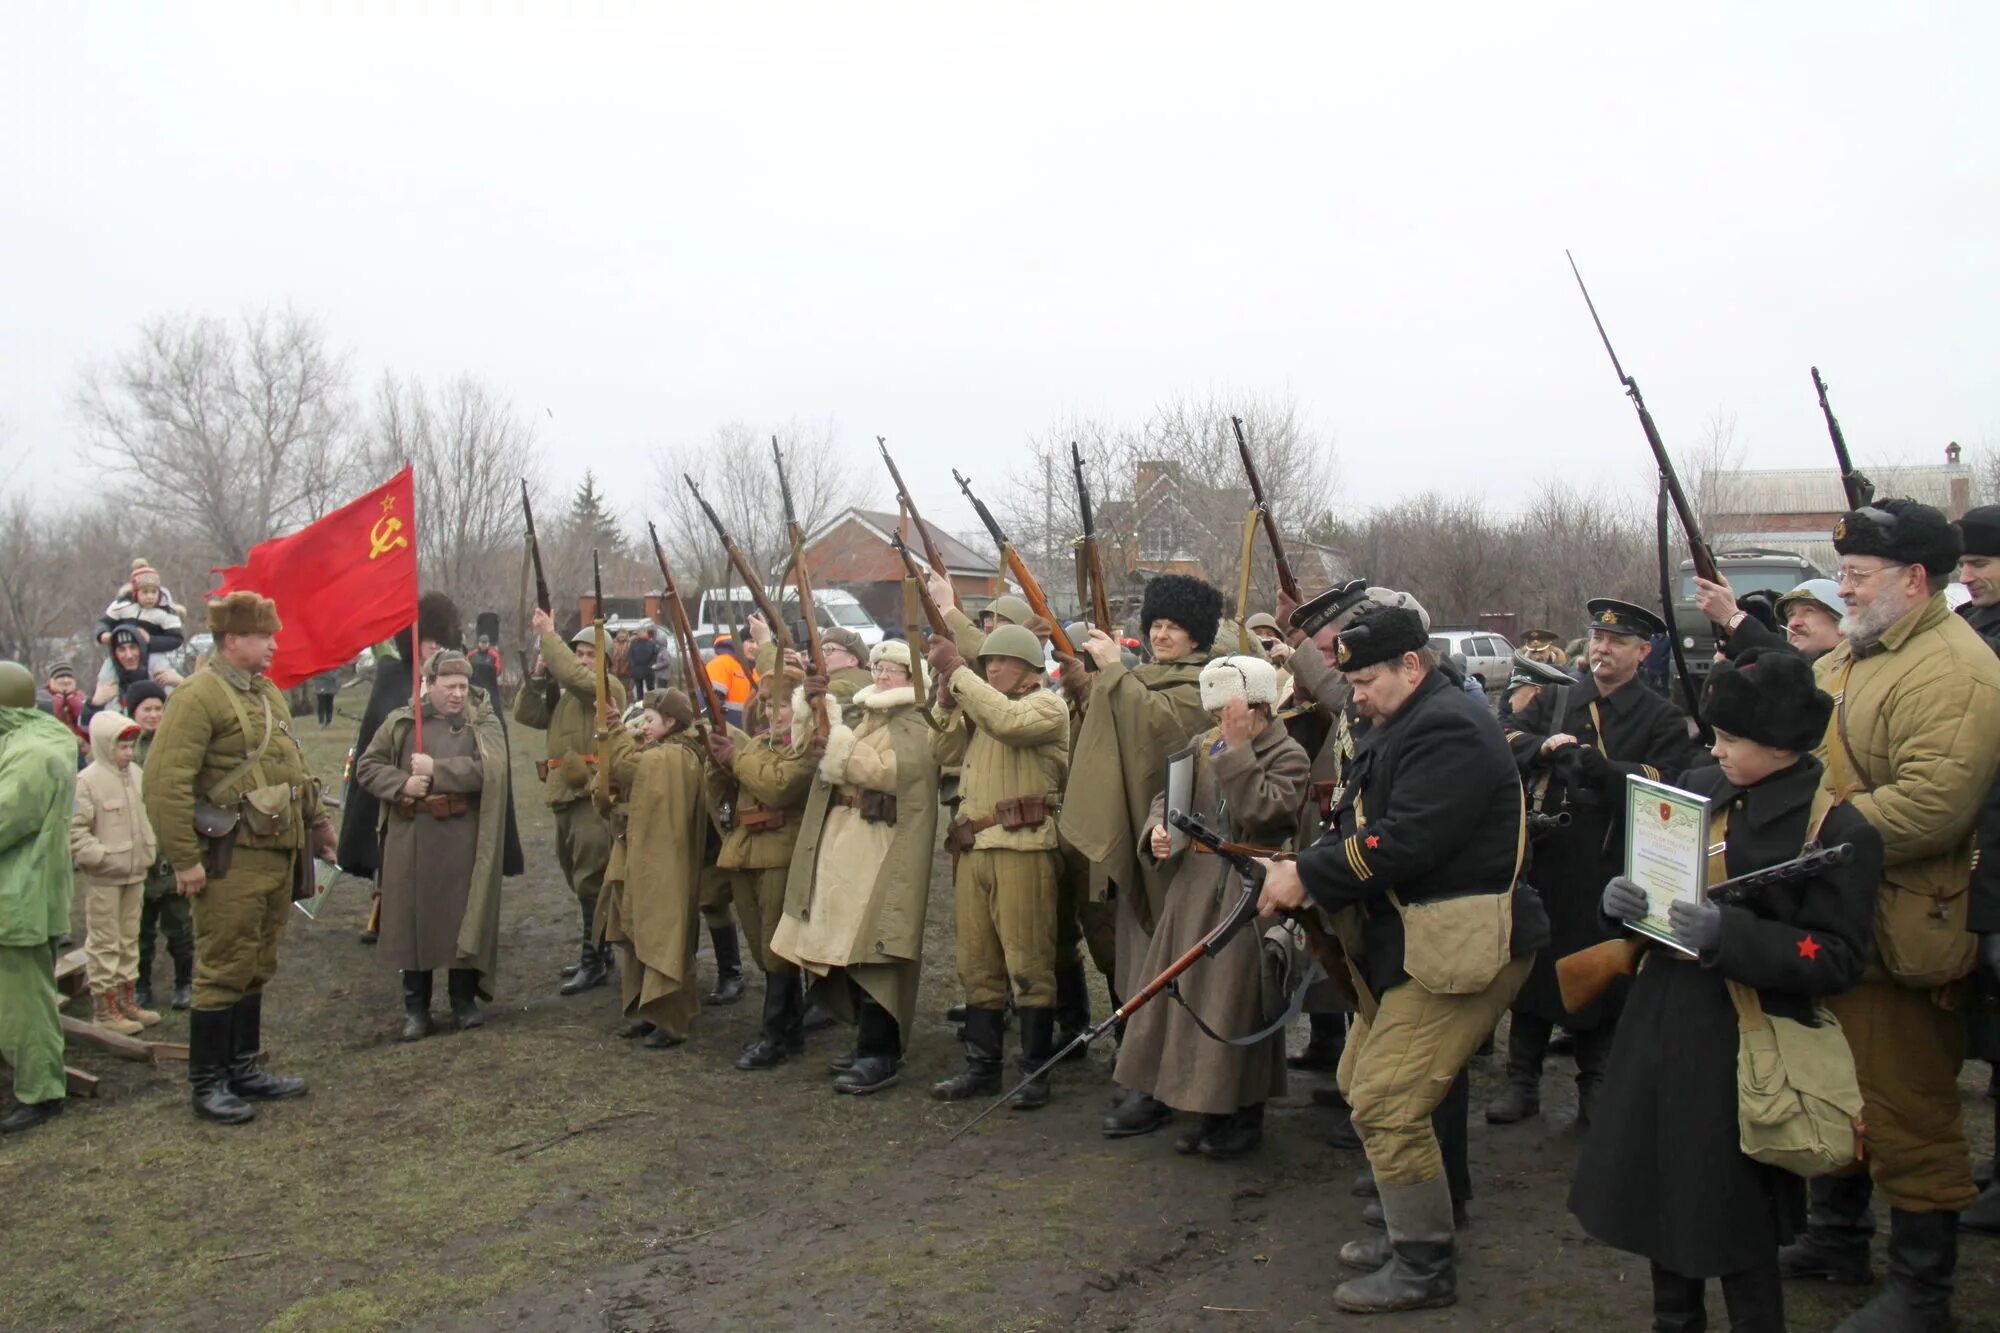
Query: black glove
point(1989, 954)
point(1697, 925)
point(1624, 900)
point(1591, 763)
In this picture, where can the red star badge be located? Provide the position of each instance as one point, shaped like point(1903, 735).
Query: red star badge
point(1372, 841)
point(1809, 949)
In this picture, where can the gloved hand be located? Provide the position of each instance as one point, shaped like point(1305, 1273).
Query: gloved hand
point(944, 657)
point(1623, 900)
point(1989, 954)
point(720, 748)
point(1697, 925)
point(815, 688)
point(1591, 763)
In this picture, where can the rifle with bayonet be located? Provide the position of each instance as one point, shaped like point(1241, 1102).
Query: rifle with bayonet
point(1031, 589)
point(1240, 914)
point(542, 599)
point(1287, 583)
point(1860, 490)
point(741, 565)
point(909, 506)
point(698, 683)
point(1588, 973)
point(1701, 556)
point(815, 649)
point(603, 657)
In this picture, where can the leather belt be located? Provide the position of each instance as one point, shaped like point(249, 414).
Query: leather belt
point(447, 806)
point(761, 821)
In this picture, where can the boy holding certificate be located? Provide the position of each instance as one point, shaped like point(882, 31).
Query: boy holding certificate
point(1662, 1173)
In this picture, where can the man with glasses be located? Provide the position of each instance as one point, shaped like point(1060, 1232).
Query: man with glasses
point(1809, 615)
point(1914, 746)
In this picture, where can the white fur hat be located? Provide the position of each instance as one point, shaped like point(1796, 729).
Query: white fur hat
point(1252, 679)
point(890, 650)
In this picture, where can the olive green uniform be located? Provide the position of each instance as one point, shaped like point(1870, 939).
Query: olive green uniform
point(583, 838)
point(199, 752)
point(1010, 750)
point(772, 784)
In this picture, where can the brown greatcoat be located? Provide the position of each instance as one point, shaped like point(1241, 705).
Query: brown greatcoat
point(1134, 720)
point(1252, 795)
point(654, 879)
point(440, 879)
point(858, 890)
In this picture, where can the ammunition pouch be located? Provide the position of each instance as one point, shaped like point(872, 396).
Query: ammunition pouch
point(754, 820)
point(1015, 812)
point(541, 770)
point(267, 810)
point(876, 807)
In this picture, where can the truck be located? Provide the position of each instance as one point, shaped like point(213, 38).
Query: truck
point(1748, 569)
point(723, 608)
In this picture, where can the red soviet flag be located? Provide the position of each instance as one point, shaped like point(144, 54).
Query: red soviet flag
point(342, 584)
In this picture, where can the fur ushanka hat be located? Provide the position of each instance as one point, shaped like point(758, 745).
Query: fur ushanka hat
point(1187, 601)
point(1768, 696)
point(243, 613)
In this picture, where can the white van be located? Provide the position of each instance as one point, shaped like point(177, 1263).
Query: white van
point(725, 608)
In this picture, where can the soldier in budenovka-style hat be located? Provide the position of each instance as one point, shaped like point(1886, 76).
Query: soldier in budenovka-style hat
point(1577, 763)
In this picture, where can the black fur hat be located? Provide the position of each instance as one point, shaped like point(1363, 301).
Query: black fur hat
point(1903, 531)
point(1381, 635)
point(1767, 695)
point(438, 620)
point(1187, 601)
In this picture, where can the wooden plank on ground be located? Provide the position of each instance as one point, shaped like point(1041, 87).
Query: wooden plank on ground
point(125, 1048)
point(80, 1083)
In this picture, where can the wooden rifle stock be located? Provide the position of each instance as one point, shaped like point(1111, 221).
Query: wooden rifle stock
point(932, 613)
point(690, 654)
point(741, 565)
point(1098, 599)
point(603, 657)
point(1287, 583)
point(1588, 973)
point(931, 552)
point(815, 647)
point(1031, 588)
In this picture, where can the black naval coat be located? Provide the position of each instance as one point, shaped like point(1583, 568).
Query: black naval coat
point(1644, 735)
point(1982, 1019)
point(1661, 1173)
point(359, 850)
point(1442, 807)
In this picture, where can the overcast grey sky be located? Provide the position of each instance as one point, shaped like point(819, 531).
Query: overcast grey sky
point(949, 224)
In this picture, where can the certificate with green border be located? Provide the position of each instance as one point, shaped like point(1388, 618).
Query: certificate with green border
point(1666, 852)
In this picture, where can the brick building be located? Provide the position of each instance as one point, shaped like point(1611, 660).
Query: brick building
point(1794, 509)
point(852, 551)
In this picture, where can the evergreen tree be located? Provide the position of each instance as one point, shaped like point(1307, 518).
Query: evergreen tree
point(592, 522)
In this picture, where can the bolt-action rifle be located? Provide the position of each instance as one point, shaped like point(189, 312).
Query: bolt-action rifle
point(1287, 583)
point(1860, 490)
point(739, 563)
point(1031, 588)
point(815, 649)
point(698, 683)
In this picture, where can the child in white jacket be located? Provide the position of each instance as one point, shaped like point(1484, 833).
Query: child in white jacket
point(113, 846)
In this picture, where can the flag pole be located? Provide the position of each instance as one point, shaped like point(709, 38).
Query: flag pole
point(416, 644)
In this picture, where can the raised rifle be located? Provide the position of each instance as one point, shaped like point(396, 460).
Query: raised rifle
point(750, 577)
point(912, 574)
point(815, 649)
point(1031, 589)
point(690, 652)
point(1699, 553)
point(542, 599)
point(603, 657)
point(1588, 973)
point(1860, 490)
point(1238, 916)
point(931, 552)
point(1090, 560)
point(1287, 584)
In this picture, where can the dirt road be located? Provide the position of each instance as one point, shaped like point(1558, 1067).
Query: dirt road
point(541, 1174)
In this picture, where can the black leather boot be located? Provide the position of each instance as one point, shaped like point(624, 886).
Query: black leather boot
point(632, 1027)
point(26, 1115)
point(1984, 1215)
point(210, 1046)
point(1755, 1299)
point(1422, 1270)
point(246, 1079)
point(1527, 1047)
point(1072, 1007)
point(1367, 1254)
point(784, 1006)
point(1038, 1047)
point(593, 969)
point(142, 989)
point(878, 1051)
point(1138, 1113)
point(1205, 1124)
point(183, 976)
point(588, 910)
point(1839, 1227)
point(1923, 1260)
point(1677, 1303)
point(1323, 1048)
point(729, 987)
point(981, 1075)
point(462, 985)
point(1593, 1057)
point(417, 989)
point(1448, 1122)
point(1239, 1134)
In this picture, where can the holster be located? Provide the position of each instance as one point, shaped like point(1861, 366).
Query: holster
point(758, 820)
point(541, 770)
point(216, 827)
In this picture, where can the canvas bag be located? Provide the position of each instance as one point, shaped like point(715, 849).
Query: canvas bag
point(1458, 946)
point(1798, 1104)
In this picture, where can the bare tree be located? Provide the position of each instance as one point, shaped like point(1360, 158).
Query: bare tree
point(470, 452)
point(735, 473)
point(240, 433)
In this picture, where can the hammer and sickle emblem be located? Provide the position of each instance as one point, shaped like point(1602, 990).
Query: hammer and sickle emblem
point(386, 536)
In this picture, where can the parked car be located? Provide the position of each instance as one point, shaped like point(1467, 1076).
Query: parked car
point(720, 608)
point(1487, 655)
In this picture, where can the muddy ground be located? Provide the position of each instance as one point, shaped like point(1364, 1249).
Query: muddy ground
point(540, 1174)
